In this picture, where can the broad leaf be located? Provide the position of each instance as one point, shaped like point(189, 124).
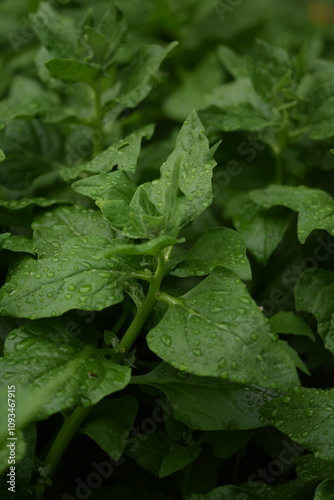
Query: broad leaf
point(74, 278)
point(217, 330)
point(3, 238)
point(110, 422)
point(64, 370)
point(52, 228)
point(306, 416)
point(198, 401)
point(138, 79)
point(217, 246)
point(178, 457)
point(313, 293)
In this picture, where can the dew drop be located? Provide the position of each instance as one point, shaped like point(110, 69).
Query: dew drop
point(165, 339)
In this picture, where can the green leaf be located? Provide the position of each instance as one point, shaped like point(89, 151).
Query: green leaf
point(267, 67)
point(19, 244)
point(123, 153)
point(315, 207)
point(217, 246)
point(321, 124)
point(234, 64)
point(193, 91)
point(313, 293)
point(325, 490)
point(149, 450)
point(52, 228)
point(261, 230)
point(178, 457)
point(288, 322)
point(237, 343)
point(138, 79)
point(74, 71)
point(222, 493)
point(198, 401)
point(73, 278)
point(306, 417)
point(183, 191)
point(55, 31)
point(110, 422)
point(224, 444)
point(297, 361)
point(3, 238)
point(60, 366)
point(2, 156)
point(106, 187)
point(310, 467)
point(242, 116)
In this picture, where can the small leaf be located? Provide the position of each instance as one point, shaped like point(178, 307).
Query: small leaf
point(217, 246)
point(291, 324)
point(74, 71)
point(178, 457)
point(224, 444)
point(149, 450)
point(123, 153)
point(110, 422)
point(262, 230)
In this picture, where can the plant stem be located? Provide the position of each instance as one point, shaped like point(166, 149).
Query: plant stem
point(68, 430)
point(143, 313)
point(279, 168)
point(73, 422)
point(97, 122)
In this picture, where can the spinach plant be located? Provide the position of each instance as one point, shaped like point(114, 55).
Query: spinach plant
point(165, 334)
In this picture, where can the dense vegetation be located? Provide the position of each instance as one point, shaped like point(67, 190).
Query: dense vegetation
point(167, 240)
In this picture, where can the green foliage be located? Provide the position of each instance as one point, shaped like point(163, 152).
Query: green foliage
point(166, 249)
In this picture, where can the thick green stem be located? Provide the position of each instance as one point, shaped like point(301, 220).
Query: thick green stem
point(97, 122)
